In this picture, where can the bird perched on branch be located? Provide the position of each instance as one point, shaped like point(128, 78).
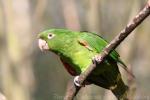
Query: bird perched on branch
point(77, 50)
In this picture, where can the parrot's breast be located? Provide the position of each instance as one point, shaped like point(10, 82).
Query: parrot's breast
point(69, 68)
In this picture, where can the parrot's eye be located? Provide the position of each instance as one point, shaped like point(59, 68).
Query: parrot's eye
point(50, 36)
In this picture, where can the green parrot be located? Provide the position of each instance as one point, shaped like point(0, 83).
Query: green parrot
point(77, 50)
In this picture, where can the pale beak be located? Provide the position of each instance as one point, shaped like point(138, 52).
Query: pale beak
point(43, 45)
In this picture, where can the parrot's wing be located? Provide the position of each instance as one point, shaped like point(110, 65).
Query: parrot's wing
point(96, 43)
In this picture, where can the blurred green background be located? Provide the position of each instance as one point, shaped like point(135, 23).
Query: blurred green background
point(28, 74)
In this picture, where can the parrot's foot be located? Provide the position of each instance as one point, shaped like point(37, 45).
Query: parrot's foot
point(76, 82)
point(96, 59)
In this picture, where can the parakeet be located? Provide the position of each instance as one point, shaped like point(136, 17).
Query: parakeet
point(76, 51)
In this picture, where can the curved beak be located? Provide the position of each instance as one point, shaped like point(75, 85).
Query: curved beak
point(43, 45)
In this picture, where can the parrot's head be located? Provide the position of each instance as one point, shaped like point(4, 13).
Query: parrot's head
point(54, 39)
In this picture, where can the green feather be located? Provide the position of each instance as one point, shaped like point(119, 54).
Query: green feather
point(98, 43)
point(77, 50)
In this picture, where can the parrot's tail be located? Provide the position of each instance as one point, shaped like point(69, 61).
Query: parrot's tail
point(120, 90)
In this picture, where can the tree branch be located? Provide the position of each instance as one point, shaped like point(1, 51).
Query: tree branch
point(73, 90)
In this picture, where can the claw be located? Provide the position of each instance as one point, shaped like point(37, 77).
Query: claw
point(96, 59)
point(93, 60)
point(76, 81)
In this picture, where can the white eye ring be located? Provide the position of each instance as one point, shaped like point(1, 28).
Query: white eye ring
point(50, 36)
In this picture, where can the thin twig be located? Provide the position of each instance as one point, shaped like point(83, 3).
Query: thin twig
point(110, 47)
